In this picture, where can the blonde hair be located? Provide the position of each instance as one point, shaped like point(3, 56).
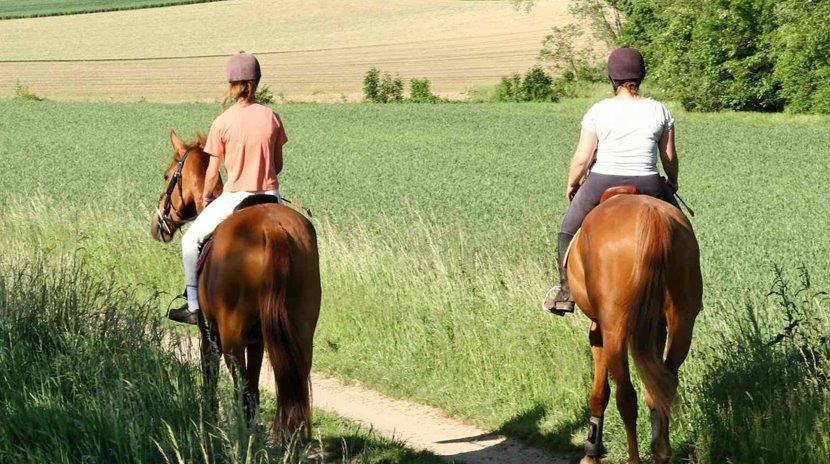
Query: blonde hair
point(241, 90)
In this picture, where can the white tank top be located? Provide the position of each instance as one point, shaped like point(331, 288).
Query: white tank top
point(628, 132)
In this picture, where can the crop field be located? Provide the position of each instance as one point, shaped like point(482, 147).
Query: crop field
point(437, 228)
point(309, 50)
point(10, 9)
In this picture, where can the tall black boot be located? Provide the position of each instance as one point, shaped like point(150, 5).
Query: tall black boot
point(562, 302)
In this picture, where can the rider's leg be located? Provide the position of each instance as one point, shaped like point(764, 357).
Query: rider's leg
point(215, 212)
point(586, 198)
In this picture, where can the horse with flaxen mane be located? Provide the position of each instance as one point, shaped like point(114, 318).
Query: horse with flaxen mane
point(259, 289)
point(634, 270)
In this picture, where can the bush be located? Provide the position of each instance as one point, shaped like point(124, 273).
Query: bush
point(21, 92)
point(536, 86)
point(420, 92)
point(264, 95)
point(802, 45)
point(509, 89)
point(391, 89)
point(371, 83)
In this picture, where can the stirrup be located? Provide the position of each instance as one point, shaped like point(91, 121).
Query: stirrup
point(550, 305)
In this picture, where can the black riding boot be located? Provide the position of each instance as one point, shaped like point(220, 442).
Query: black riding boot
point(562, 302)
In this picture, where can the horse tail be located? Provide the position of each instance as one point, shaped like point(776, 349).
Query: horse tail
point(647, 316)
point(290, 367)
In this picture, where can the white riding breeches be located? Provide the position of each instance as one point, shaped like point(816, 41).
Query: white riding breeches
point(216, 211)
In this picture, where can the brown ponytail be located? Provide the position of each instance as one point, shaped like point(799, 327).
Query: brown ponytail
point(633, 87)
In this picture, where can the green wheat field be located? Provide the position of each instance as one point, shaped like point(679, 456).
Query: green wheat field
point(437, 226)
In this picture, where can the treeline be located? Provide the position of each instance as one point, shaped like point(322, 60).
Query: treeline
point(758, 55)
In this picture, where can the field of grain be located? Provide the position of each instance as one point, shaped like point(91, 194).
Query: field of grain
point(436, 231)
point(309, 50)
point(11, 9)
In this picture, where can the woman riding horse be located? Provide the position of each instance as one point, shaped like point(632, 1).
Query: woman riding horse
point(634, 267)
point(249, 138)
point(259, 283)
point(619, 143)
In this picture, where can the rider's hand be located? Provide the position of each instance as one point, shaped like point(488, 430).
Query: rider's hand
point(673, 186)
point(570, 192)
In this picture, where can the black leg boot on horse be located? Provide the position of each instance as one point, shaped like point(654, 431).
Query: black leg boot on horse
point(561, 302)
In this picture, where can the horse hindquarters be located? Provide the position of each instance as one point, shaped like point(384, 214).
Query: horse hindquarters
point(290, 364)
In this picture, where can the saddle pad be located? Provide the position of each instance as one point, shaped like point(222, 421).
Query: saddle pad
point(204, 252)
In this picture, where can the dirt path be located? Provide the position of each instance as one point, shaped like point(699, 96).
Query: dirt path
point(420, 427)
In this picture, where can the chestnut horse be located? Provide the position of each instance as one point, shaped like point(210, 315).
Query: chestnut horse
point(259, 289)
point(634, 270)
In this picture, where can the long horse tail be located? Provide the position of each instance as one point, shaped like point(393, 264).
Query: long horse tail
point(646, 324)
point(287, 360)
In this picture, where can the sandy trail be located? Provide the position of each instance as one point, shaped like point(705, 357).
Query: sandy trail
point(420, 427)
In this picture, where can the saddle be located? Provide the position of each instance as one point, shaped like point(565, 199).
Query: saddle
point(207, 243)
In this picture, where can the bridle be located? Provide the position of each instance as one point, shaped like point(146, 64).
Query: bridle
point(165, 221)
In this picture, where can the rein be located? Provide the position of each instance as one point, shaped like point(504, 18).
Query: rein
point(165, 221)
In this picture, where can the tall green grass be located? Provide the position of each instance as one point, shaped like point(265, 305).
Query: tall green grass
point(436, 232)
point(87, 374)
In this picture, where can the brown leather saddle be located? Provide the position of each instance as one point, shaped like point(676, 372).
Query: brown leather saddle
point(610, 193)
point(207, 244)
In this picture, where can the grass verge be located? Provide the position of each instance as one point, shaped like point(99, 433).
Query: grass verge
point(87, 374)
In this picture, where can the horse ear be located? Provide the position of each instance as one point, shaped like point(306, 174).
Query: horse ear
point(177, 143)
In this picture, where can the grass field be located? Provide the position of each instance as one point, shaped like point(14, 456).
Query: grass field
point(88, 375)
point(309, 50)
point(437, 226)
point(12, 9)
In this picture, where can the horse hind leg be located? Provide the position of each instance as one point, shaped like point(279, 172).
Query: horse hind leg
point(254, 349)
point(617, 358)
point(598, 401)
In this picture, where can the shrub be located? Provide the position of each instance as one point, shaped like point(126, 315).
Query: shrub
point(420, 92)
point(264, 95)
point(536, 86)
point(371, 83)
point(21, 92)
point(390, 89)
point(509, 89)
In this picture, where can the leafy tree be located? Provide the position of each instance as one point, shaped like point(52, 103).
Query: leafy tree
point(420, 91)
point(802, 45)
point(390, 89)
point(371, 82)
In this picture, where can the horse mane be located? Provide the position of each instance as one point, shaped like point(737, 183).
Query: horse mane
point(196, 142)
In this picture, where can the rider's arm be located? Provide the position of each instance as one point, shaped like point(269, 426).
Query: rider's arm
point(581, 161)
point(668, 156)
point(211, 178)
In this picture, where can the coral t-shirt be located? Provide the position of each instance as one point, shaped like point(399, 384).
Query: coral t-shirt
point(248, 139)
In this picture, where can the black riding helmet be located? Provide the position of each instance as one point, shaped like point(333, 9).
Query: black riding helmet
point(626, 64)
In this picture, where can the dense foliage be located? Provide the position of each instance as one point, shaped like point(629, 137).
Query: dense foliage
point(384, 88)
point(535, 86)
point(762, 55)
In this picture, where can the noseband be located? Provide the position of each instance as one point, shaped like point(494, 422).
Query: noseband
point(165, 221)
